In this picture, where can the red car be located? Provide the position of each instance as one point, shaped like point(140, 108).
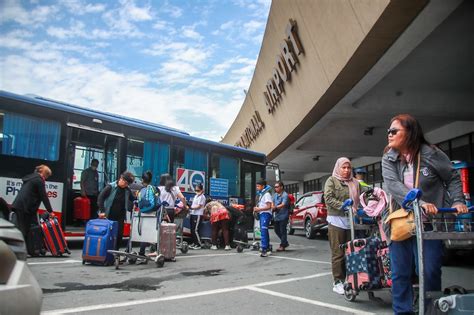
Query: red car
point(309, 215)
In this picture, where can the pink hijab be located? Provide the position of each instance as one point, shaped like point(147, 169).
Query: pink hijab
point(351, 182)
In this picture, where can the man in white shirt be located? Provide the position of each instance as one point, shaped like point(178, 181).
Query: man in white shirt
point(196, 212)
point(264, 210)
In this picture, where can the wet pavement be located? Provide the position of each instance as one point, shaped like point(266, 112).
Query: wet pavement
point(203, 281)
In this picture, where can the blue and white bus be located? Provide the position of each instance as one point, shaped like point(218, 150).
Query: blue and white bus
point(36, 130)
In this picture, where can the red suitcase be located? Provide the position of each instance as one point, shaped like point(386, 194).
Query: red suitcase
point(168, 240)
point(82, 208)
point(54, 237)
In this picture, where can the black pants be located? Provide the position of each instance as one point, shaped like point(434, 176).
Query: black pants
point(195, 223)
point(25, 221)
point(119, 217)
point(94, 207)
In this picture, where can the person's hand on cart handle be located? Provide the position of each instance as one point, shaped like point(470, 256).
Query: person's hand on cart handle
point(461, 208)
point(101, 215)
point(429, 208)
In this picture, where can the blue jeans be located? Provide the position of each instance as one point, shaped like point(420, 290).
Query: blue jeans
point(280, 230)
point(403, 256)
point(265, 219)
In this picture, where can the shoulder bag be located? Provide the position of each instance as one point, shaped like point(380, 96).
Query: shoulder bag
point(402, 222)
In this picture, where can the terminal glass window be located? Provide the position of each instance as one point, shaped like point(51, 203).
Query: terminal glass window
point(135, 157)
point(460, 149)
point(30, 137)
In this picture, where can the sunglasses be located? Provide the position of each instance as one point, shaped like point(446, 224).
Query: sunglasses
point(393, 131)
point(277, 186)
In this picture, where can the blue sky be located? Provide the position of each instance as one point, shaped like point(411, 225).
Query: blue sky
point(184, 64)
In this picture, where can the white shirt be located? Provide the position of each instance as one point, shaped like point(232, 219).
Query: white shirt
point(198, 201)
point(340, 222)
point(169, 197)
point(263, 202)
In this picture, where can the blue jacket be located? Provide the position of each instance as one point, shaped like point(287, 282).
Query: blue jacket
point(281, 214)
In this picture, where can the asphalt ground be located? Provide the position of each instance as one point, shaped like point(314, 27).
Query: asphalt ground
point(203, 281)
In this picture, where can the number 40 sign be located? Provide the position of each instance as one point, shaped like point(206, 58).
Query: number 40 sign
point(186, 179)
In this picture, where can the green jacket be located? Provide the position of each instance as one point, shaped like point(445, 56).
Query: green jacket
point(335, 193)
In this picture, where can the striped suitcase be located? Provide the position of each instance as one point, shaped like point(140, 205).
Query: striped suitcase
point(53, 237)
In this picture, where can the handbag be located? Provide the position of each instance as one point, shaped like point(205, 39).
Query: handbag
point(402, 222)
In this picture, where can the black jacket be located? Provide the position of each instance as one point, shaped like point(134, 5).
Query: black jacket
point(32, 193)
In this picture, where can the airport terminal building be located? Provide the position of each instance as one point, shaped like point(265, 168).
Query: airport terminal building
point(332, 73)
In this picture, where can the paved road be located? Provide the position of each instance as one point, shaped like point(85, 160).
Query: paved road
point(297, 281)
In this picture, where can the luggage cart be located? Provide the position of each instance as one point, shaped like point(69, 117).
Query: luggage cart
point(244, 243)
point(132, 257)
point(181, 244)
point(444, 228)
point(350, 293)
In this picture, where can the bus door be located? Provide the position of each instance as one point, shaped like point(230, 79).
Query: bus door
point(84, 146)
point(251, 173)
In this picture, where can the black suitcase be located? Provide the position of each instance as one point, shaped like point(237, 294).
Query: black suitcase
point(34, 243)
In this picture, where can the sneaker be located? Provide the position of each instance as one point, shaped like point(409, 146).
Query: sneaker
point(196, 247)
point(227, 247)
point(213, 247)
point(192, 246)
point(264, 254)
point(338, 287)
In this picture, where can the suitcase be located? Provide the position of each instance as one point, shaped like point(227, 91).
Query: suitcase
point(82, 208)
point(205, 230)
point(363, 270)
point(34, 243)
point(54, 237)
point(456, 304)
point(101, 236)
point(168, 240)
point(240, 233)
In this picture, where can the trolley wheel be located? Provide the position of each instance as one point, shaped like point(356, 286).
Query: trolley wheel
point(132, 260)
point(256, 246)
point(240, 249)
point(349, 295)
point(68, 251)
point(184, 247)
point(160, 261)
point(83, 262)
point(117, 262)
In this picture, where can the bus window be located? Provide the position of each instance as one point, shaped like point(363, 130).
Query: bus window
point(30, 137)
point(1, 128)
point(177, 159)
point(156, 157)
point(135, 157)
point(227, 168)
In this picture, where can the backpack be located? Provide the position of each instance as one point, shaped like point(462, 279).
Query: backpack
point(292, 200)
point(144, 203)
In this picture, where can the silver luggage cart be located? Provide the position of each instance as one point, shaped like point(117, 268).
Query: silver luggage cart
point(138, 235)
point(443, 228)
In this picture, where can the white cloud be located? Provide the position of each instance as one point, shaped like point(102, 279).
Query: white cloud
point(189, 32)
point(13, 11)
point(180, 51)
point(78, 29)
point(121, 19)
point(79, 7)
point(171, 10)
point(173, 72)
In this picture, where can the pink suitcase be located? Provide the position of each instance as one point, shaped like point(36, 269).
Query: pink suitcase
point(168, 240)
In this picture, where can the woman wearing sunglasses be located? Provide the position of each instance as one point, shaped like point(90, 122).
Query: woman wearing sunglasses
point(441, 187)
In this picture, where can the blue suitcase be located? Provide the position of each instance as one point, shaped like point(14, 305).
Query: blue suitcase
point(101, 236)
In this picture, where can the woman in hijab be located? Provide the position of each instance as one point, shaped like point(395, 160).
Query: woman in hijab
point(338, 188)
